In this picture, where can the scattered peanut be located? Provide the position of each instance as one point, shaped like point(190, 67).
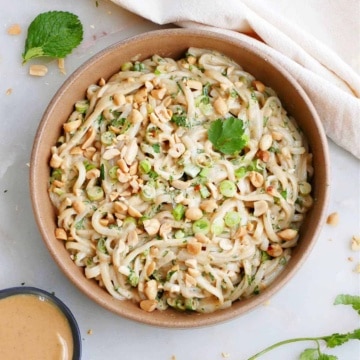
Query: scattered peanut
point(38, 70)
point(355, 243)
point(333, 219)
point(14, 29)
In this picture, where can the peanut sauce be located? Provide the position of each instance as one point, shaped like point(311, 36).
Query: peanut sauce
point(33, 328)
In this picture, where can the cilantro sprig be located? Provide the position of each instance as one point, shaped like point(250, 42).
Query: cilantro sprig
point(330, 341)
point(227, 135)
point(54, 34)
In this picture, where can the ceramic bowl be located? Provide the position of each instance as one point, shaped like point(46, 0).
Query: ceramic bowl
point(45, 296)
point(173, 43)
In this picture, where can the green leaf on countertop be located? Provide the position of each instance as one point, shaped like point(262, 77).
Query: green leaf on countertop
point(54, 34)
point(352, 300)
point(313, 354)
point(331, 341)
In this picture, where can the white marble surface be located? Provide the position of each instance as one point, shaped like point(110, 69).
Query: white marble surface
point(303, 308)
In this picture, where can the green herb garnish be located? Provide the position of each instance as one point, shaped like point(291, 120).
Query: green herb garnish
point(330, 341)
point(54, 34)
point(227, 135)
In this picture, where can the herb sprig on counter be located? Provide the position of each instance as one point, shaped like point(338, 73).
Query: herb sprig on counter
point(330, 341)
point(54, 34)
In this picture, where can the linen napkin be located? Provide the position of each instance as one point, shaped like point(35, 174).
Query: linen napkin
point(331, 84)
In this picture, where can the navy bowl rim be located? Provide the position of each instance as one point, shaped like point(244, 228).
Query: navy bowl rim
point(23, 290)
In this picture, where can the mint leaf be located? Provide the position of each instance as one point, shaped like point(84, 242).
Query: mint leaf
point(54, 34)
point(352, 300)
point(227, 135)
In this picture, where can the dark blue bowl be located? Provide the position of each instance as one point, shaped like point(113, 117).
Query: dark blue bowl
point(26, 290)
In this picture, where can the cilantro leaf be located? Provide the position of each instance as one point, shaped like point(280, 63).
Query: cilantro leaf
point(54, 34)
point(227, 135)
point(339, 339)
point(315, 354)
point(352, 300)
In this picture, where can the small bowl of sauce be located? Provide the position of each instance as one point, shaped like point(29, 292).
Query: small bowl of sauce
point(36, 325)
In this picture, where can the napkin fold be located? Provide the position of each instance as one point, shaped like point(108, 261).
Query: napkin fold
point(331, 84)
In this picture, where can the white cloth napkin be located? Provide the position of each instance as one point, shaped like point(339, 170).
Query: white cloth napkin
point(332, 85)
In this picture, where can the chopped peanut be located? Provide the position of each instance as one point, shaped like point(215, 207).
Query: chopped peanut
point(193, 248)
point(258, 85)
point(274, 250)
point(256, 178)
point(333, 219)
point(220, 106)
point(148, 305)
point(60, 234)
point(151, 226)
point(287, 234)
point(355, 243)
point(38, 70)
point(14, 29)
point(61, 66)
point(193, 213)
point(150, 289)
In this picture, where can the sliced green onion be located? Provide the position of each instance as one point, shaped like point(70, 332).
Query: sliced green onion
point(81, 106)
point(129, 223)
point(126, 66)
point(227, 188)
point(133, 279)
point(179, 234)
point(204, 172)
point(191, 304)
point(144, 166)
point(107, 137)
point(113, 172)
point(102, 172)
point(95, 193)
point(201, 226)
point(148, 193)
point(191, 170)
point(204, 191)
point(232, 218)
point(178, 212)
point(217, 226)
point(240, 172)
point(101, 245)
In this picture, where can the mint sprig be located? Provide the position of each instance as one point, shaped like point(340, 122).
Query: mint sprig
point(54, 34)
point(330, 341)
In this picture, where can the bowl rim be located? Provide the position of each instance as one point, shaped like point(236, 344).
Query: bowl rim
point(60, 305)
point(248, 304)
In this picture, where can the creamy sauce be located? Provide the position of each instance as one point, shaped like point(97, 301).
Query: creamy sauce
point(33, 328)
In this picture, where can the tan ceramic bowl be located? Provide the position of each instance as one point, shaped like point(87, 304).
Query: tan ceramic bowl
point(173, 43)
